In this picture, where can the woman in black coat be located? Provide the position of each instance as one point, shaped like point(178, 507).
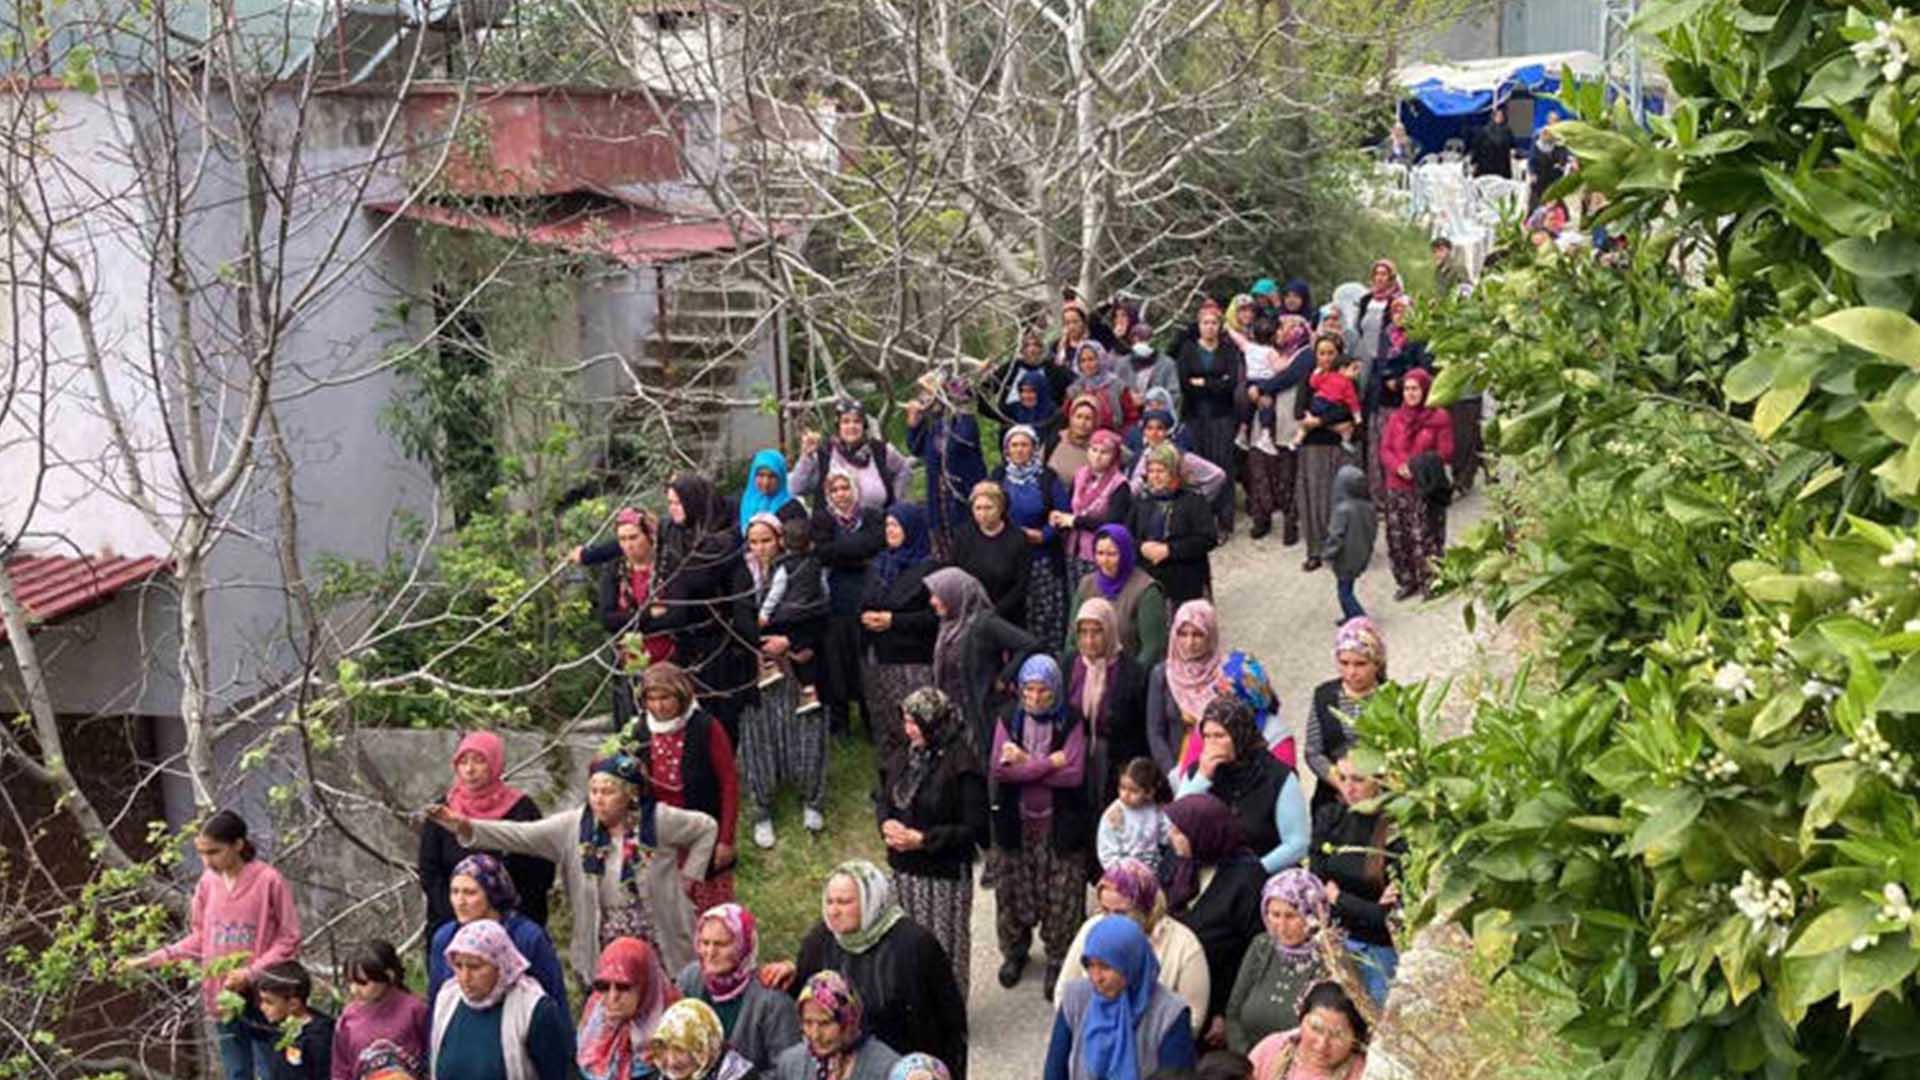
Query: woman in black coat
point(846, 537)
point(995, 553)
point(707, 600)
point(1175, 530)
point(896, 612)
point(932, 808)
point(1108, 686)
point(1358, 855)
point(1213, 400)
point(976, 652)
point(1224, 913)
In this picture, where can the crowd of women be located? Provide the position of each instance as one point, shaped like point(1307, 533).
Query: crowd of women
point(1033, 649)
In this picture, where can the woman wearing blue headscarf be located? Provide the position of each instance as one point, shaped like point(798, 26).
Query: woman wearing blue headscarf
point(1118, 1023)
point(896, 613)
point(1042, 822)
point(766, 491)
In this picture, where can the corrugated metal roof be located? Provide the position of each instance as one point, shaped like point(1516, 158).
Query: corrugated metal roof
point(52, 587)
point(632, 235)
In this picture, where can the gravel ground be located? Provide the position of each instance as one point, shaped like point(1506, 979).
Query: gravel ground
point(1285, 616)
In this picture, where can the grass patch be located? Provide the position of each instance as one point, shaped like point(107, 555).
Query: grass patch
point(782, 887)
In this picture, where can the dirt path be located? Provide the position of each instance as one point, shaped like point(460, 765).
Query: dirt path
point(1285, 616)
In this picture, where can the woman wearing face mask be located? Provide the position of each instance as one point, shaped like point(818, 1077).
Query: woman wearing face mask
point(491, 1020)
point(1180, 687)
point(933, 818)
point(689, 1044)
point(1148, 369)
point(1139, 604)
point(480, 888)
point(690, 766)
point(618, 857)
point(241, 908)
point(1100, 496)
point(1297, 951)
point(1361, 655)
point(1131, 889)
point(1330, 1042)
point(1214, 399)
point(383, 1021)
point(479, 792)
point(903, 976)
point(1033, 492)
point(1108, 687)
point(630, 991)
point(756, 1021)
point(1042, 823)
point(880, 472)
point(837, 1043)
point(896, 612)
point(1175, 529)
point(1118, 1023)
point(1357, 852)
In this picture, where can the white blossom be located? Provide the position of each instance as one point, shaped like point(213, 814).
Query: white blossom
point(1896, 909)
point(1732, 678)
point(1906, 551)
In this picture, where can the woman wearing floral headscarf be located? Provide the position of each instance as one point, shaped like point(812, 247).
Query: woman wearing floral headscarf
point(920, 1067)
point(491, 1019)
point(1297, 949)
point(480, 888)
point(1182, 684)
point(1214, 889)
point(1138, 602)
point(630, 991)
point(480, 792)
point(756, 1021)
point(617, 856)
point(1118, 1023)
point(1108, 688)
point(901, 972)
point(628, 601)
point(1237, 766)
point(1033, 492)
point(1361, 654)
point(1042, 822)
point(846, 538)
point(933, 818)
point(689, 1044)
point(1130, 888)
point(778, 742)
point(690, 765)
point(1099, 496)
point(1174, 527)
point(837, 1043)
point(896, 613)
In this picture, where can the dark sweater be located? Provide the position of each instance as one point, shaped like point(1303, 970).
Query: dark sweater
point(845, 553)
point(1226, 918)
point(1185, 523)
point(910, 639)
point(906, 981)
point(1342, 840)
point(950, 807)
point(440, 852)
point(308, 1057)
point(1001, 563)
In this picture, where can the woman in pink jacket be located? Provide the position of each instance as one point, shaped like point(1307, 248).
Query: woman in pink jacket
point(242, 913)
point(1416, 527)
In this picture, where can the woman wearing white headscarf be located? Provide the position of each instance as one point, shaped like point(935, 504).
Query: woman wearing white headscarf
point(491, 1021)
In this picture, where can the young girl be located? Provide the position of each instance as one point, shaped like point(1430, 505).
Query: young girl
point(1134, 826)
point(241, 909)
point(384, 1026)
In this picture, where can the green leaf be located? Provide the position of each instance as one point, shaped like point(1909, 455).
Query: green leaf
point(1834, 784)
point(1671, 816)
point(1690, 508)
point(1839, 81)
point(1901, 694)
point(1886, 256)
point(1834, 928)
point(1805, 980)
point(1866, 975)
point(1720, 142)
point(1664, 15)
point(1877, 330)
point(1777, 406)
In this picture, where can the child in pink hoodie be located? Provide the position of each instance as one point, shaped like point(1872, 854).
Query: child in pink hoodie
point(240, 907)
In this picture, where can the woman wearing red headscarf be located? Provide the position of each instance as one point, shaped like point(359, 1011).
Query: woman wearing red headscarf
point(1100, 495)
point(480, 794)
point(630, 991)
point(1416, 521)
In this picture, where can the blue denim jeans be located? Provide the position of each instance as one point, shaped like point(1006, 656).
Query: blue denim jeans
point(246, 1046)
point(1349, 604)
point(1377, 963)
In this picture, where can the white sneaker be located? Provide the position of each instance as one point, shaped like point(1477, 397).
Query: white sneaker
point(763, 834)
point(812, 820)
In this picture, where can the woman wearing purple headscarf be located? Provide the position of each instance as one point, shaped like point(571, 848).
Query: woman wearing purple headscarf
point(1136, 597)
point(1130, 888)
point(1298, 949)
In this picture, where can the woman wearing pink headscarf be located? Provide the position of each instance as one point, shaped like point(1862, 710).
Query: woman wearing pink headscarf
point(480, 793)
point(525, 1038)
point(1361, 654)
point(759, 1022)
point(1101, 496)
point(1180, 687)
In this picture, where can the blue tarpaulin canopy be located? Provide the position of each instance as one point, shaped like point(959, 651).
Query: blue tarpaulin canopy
point(1446, 101)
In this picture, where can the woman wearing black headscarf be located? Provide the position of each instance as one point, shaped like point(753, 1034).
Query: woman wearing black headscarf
point(707, 600)
point(896, 612)
point(1222, 909)
point(932, 806)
